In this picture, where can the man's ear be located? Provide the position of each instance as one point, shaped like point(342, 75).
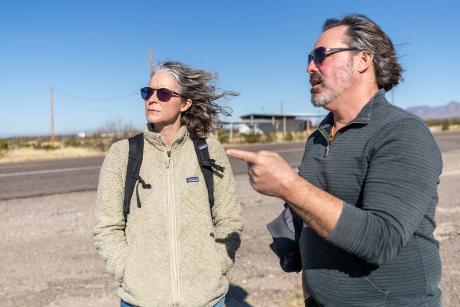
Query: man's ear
point(186, 105)
point(365, 61)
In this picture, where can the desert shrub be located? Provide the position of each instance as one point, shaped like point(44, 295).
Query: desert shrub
point(269, 137)
point(223, 136)
point(251, 138)
point(441, 122)
point(3, 145)
point(27, 145)
point(301, 135)
point(445, 125)
point(101, 145)
point(288, 137)
point(37, 145)
point(432, 122)
point(72, 142)
point(48, 146)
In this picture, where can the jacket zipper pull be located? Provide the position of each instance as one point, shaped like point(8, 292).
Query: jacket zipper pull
point(328, 147)
point(169, 158)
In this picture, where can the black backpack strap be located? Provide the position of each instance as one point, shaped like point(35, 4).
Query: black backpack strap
point(207, 165)
point(136, 149)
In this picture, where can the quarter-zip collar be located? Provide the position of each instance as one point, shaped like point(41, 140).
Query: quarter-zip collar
point(363, 116)
point(157, 140)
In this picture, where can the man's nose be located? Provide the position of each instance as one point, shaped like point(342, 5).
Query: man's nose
point(311, 67)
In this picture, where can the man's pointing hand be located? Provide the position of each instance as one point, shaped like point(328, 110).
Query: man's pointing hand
point(268, 172)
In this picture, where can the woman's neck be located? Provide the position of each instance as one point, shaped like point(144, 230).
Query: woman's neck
point(168, 133)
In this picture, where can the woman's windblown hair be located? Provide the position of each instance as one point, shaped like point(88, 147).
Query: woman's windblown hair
point(203, 116)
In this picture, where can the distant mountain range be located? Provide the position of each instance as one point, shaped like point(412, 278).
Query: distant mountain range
point(452, 109)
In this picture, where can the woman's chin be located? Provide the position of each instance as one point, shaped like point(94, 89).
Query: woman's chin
point(152, 119)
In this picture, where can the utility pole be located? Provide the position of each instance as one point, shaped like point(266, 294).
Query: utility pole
point(52, 115)
point(284, 119)
point(151, 62)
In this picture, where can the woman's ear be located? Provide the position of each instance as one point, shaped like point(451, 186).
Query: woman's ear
point(186, 105)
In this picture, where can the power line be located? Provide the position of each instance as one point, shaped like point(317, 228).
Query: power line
point(95, 99)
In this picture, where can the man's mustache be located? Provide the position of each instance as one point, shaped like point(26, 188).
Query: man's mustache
point(315, 78)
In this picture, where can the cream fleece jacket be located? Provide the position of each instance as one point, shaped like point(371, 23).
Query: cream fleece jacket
point(172, 251)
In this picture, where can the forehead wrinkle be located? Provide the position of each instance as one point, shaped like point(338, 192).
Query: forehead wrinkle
point(164, 79)
point(333, 38)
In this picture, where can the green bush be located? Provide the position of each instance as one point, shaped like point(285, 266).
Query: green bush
point(49, 147)
point(300, 135)
point(445, 125)
point(269, 137)
point(251, 138)
point(3, 145)
point(100, 145)
point(223, 136)
point(73, 142)
point(288, 137)
point(27, 145)
point(432, 122)
point(442, 122)
point(37, 145)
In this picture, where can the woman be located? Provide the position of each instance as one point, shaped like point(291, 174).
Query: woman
point(174, 248)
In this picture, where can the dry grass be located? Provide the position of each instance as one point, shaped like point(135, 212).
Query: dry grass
point(294, 298)
point(438, 128)
point(28, 154)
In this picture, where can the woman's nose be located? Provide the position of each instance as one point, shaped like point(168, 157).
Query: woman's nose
point(152, 99)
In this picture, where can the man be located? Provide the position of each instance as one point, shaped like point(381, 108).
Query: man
point(367, 185)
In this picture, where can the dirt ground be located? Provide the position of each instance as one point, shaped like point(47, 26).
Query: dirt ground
point(30, 154)
point(48, 258)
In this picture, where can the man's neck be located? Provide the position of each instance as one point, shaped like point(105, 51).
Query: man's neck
point(348, 105)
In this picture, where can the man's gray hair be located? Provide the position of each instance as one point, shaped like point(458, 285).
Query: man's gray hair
point(366, 35)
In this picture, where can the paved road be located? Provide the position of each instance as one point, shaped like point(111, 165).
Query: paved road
point(37, 178)
point(29, 179)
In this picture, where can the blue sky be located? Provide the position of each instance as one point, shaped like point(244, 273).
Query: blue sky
point(98, 50)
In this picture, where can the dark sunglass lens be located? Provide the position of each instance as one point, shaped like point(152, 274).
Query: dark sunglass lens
point(164, 94)
point(319, 54)
point(146, 92)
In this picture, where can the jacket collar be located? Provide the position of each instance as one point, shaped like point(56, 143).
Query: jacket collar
point(157, 140)
point(363, 117)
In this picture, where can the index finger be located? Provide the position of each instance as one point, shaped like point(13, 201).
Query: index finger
point(244, 155)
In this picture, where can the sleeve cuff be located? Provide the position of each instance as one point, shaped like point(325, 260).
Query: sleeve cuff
point(225, 262)
point(347, 230)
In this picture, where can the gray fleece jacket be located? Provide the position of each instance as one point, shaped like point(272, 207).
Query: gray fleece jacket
point(385, 166)
point(172, 251)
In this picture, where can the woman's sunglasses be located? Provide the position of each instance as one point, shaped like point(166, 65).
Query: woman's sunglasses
point(163, 94)
point(318, 55)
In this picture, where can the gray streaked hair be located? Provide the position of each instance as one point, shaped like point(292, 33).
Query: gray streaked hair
point(203, 115)
point(364, 34)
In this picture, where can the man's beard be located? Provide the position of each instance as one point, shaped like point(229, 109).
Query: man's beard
point(329, 92)
point(325, 96)
point(320, 100)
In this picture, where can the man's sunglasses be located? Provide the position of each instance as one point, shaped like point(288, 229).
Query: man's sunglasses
point(318, 55)
point(163, 94)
